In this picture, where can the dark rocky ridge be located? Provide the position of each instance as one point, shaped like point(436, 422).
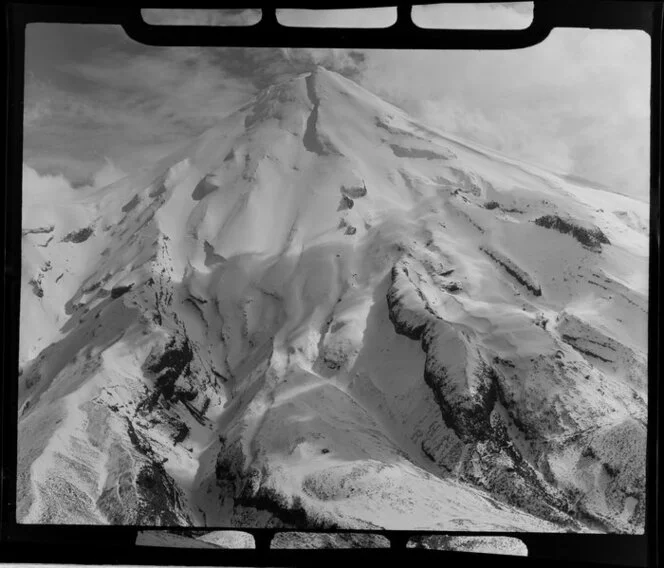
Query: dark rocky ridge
point(345, 203)
point(592, 238)
point(513, 270)
point(166, 369)
point(79, 236)
point(401, 152)
point(498, 466)
point(354, 192)
point(203, 188)
point(39, 230)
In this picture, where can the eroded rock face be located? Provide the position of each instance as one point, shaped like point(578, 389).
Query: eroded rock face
point(354, 191)
point(402, 152)
point(520, 275)
point(39, 230)
point(477, 544)
point(488, 411)
point(150, 498)
point(79, 236)
point(345, 203)
point(591, 237)
point(298, 540)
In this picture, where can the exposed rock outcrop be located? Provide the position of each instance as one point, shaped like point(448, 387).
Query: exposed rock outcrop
point(590, 236)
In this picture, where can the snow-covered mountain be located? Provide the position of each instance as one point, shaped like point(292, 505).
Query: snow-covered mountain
point(323, 313)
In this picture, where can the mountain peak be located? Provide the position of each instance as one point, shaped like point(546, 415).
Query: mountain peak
point(320, 69)
point(234, 326)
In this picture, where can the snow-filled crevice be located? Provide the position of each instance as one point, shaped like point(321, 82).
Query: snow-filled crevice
point(204, 188)
point(403, 152)
point(211, 257)
point(312, 140)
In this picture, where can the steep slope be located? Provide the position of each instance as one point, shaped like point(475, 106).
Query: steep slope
point(323, 313)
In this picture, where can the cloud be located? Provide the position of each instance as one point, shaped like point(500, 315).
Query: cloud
point(348, 18)
point(124, 103)
point(527, 134)
point(578, 102)
point(181, 85)
point(192, 17)
point(108, 174)
point(526, 8)
point(503, 15)
point(36, 185)
point(257, 68)
point(346, 62)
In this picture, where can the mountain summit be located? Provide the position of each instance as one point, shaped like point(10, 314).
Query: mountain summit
point(324, 313)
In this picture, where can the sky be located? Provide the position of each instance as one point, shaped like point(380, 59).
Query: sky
point(99, 105)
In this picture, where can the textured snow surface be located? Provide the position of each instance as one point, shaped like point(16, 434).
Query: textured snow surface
point(322, 313)
point(169, 539)
point(477, 544)
point(195, 539)
point(318, 540)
